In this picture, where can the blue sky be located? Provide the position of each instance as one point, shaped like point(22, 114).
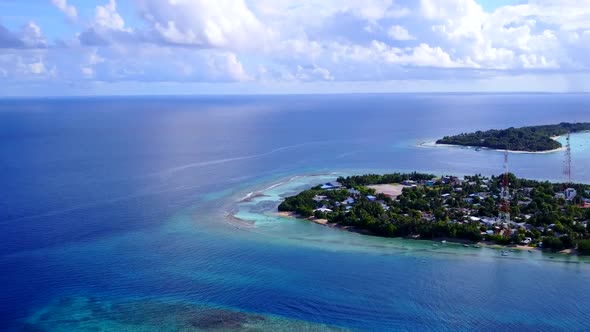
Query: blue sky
point(109, 47)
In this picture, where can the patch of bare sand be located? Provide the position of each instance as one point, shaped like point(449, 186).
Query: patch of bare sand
point(391, 190)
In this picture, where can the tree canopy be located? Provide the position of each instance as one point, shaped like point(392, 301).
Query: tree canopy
point(532, 139)
point(451, 207)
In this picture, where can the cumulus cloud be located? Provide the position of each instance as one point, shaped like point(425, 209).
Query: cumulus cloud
point(37, 67)
point(511, 37)
point(306, 41)
point(30, 36)
point(27, 66)
point(227, 67)
point(397, 32)
point(311, 73)
point(107, 17)
point(69, 10)
point(228, 24)
point(107, 27)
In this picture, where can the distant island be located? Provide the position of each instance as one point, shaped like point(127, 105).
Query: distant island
point(526, 139)
point(421, 206)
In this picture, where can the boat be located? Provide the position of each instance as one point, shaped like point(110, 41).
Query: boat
point(443, 241)
point(476, 246)
point(466, 245)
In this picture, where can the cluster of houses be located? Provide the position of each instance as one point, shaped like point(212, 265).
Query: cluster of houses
point(496, 226)
point(469, 210)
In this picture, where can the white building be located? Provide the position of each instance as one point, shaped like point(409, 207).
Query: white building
point(570, 194)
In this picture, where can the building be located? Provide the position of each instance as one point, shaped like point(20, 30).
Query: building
point(319, 198)
point(354, 192)
point(570, 194)
point(331, 185)
point(349, 200)
point(488, 221)
point(527, 190)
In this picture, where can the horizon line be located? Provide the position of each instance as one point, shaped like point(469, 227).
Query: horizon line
point(297, 94)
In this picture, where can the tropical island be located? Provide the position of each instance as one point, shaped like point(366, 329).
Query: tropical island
point(526, 139)
point(421, 206)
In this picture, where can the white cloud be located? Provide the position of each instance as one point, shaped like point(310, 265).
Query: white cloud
point(397, 32)
point(32, 36)
point(107, 17)
point(87, 72)
point(228, 24)
point(69, 10)
point(312, 73)
point(94, 58)
point(511, 37)
point(29, 37)
point(306, 41)
point(570, 15)
point(227, 67)
point(37, 68)
point(316, 12)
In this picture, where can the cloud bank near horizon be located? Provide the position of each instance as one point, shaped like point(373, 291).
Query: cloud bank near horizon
point(256, 46)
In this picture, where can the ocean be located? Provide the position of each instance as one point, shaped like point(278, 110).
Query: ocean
point(157, 213)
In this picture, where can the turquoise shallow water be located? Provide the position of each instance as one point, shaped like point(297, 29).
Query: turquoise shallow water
point(117, 214)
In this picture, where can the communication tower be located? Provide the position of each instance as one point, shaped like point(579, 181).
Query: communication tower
point(567, 167)
point(504, 205)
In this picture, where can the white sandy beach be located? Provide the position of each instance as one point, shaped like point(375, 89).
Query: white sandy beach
point(433, 144)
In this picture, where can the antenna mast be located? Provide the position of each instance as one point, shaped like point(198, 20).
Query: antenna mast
point(504, 205)
point(567, 168)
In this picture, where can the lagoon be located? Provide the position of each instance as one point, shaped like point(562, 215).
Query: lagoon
point(114, 208)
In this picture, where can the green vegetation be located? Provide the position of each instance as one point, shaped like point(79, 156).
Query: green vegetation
point(584, 247)
point(368, 179)
point(532, 139)
point(450, 207)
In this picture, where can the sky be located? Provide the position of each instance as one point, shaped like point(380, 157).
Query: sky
point(143, 47)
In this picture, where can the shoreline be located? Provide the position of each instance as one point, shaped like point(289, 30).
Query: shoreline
point(433, 144)
point(324, 222)
point(435, 241)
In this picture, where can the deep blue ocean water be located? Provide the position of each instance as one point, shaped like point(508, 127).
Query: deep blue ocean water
point(114, 215)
